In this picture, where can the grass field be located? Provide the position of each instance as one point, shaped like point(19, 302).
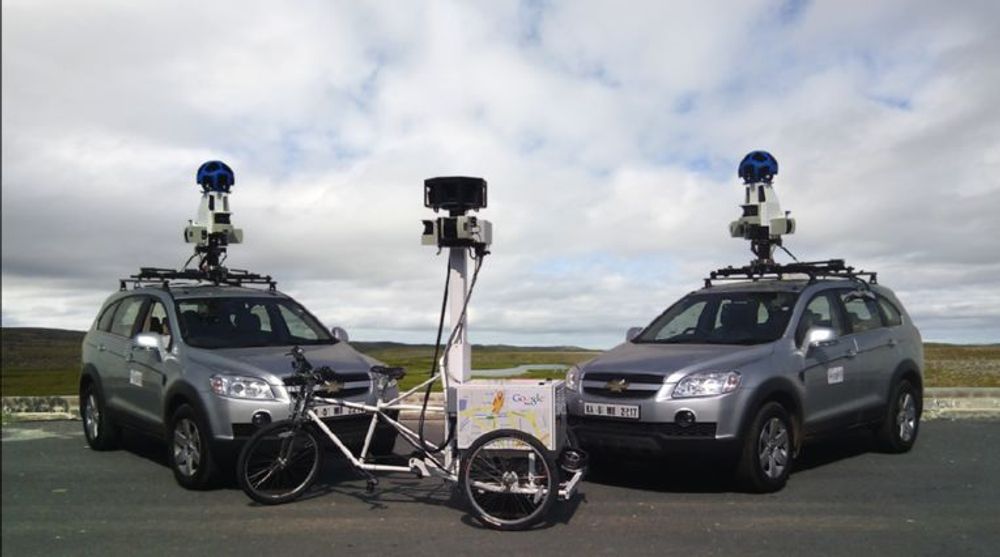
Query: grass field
point(46, 361)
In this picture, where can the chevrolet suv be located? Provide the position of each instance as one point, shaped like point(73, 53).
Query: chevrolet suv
point(751, 370)
point(202, 368)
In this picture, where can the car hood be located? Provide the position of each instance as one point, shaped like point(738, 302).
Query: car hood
point(272, 362)
point(673, 361)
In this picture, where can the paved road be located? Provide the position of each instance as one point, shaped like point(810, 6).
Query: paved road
point(60, 498)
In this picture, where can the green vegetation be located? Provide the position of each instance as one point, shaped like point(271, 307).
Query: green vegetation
point(951, 365)
point(46, 361)
point(417, 359)
point(39, 361)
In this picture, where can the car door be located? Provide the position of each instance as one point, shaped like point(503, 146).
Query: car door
point(876, 347)
point(826, 371)
point(95, 349)
point(148, 369)
point(118, 349)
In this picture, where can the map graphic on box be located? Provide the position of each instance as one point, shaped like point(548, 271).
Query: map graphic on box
point(528, 405)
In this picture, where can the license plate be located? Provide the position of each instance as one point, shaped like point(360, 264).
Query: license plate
point(627, 411)
point(334, 410)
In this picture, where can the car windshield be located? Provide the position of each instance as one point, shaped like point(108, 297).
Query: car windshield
point(722, 318)
point(246, 322)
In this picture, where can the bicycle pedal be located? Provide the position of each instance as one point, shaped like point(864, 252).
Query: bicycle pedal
point(370, 486)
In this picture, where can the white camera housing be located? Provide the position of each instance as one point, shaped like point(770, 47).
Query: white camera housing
point(457, 231)
point(214, 218)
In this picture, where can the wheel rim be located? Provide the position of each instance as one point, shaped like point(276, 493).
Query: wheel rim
point(773, 448)
point(281, 463)
point(906, 417)
point(187, 447)
point(507, 481)
point(92, 417)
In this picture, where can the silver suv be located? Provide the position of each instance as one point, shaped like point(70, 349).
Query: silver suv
point(753, 369)
point(202, 367)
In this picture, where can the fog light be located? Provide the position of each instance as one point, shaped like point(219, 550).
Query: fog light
point(685, 418)
point(261, 418)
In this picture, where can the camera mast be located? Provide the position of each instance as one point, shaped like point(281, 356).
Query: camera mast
point(460, 233)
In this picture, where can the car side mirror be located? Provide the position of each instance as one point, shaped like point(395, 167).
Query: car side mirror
point(632, 333)
point(340, 334)
point(152, 341)
point(818, 337)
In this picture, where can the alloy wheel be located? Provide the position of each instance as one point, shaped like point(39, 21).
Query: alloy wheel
point(773, 448)
point(187, 447)
point(92, 416)
point(906, 417)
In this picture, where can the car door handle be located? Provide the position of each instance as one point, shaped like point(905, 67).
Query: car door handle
point(892, 343)
point(851, 353)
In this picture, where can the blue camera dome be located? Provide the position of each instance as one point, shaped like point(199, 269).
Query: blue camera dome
point(758, 166)
point(216, 176)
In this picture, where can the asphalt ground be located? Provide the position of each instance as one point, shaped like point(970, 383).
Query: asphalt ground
point(943, 498)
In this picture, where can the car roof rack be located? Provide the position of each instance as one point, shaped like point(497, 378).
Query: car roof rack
point(831, 268)
point(217, 276)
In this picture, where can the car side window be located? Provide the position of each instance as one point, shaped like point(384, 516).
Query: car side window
point(862, 313)
point(158, 322)
point(104, 322)
point(819, 312)
point(891, 314)
point(124, 320)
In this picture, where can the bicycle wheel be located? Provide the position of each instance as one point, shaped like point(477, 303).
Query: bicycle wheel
point(279, 463)
point(509, 479)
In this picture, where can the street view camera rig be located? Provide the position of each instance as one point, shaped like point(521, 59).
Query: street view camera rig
point(763, 223)
point(458, 195)
point(211, 233)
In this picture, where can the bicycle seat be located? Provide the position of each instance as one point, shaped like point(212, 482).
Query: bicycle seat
point(396, 373)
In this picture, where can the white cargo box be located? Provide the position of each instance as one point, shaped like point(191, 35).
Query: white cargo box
point(536, 407)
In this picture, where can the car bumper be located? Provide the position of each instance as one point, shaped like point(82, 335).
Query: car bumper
point(600, 436)
point(232, 420)
point(715, 428)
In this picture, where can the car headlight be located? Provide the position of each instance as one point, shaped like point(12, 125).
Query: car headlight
point(707, 384)
point(573, 378)
point(236, 386)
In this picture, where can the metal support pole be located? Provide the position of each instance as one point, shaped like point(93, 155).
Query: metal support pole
point(459, 356)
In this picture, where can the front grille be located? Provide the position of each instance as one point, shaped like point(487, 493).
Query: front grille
point(636, 385)
point(629, 394)
point(342, 393)
point(354, 384)
point(646, 378)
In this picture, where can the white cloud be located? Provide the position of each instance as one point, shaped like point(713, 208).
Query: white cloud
point(609, 136)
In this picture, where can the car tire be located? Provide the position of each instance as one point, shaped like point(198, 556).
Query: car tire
point(899, 429)
point(189, 450)
point(99, 428)
point(766, 457)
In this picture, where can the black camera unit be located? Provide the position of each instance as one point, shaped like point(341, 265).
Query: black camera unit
point(457, 195)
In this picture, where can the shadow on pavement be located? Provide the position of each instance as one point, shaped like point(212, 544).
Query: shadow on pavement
point(692, 473)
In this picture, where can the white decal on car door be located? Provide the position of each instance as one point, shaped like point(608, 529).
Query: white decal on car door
point(835, 375)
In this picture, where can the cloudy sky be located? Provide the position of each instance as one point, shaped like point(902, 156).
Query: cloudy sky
point(609, 133)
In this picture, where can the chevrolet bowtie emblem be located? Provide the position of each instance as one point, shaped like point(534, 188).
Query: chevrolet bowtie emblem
point(332, 387)
point(617, 385)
